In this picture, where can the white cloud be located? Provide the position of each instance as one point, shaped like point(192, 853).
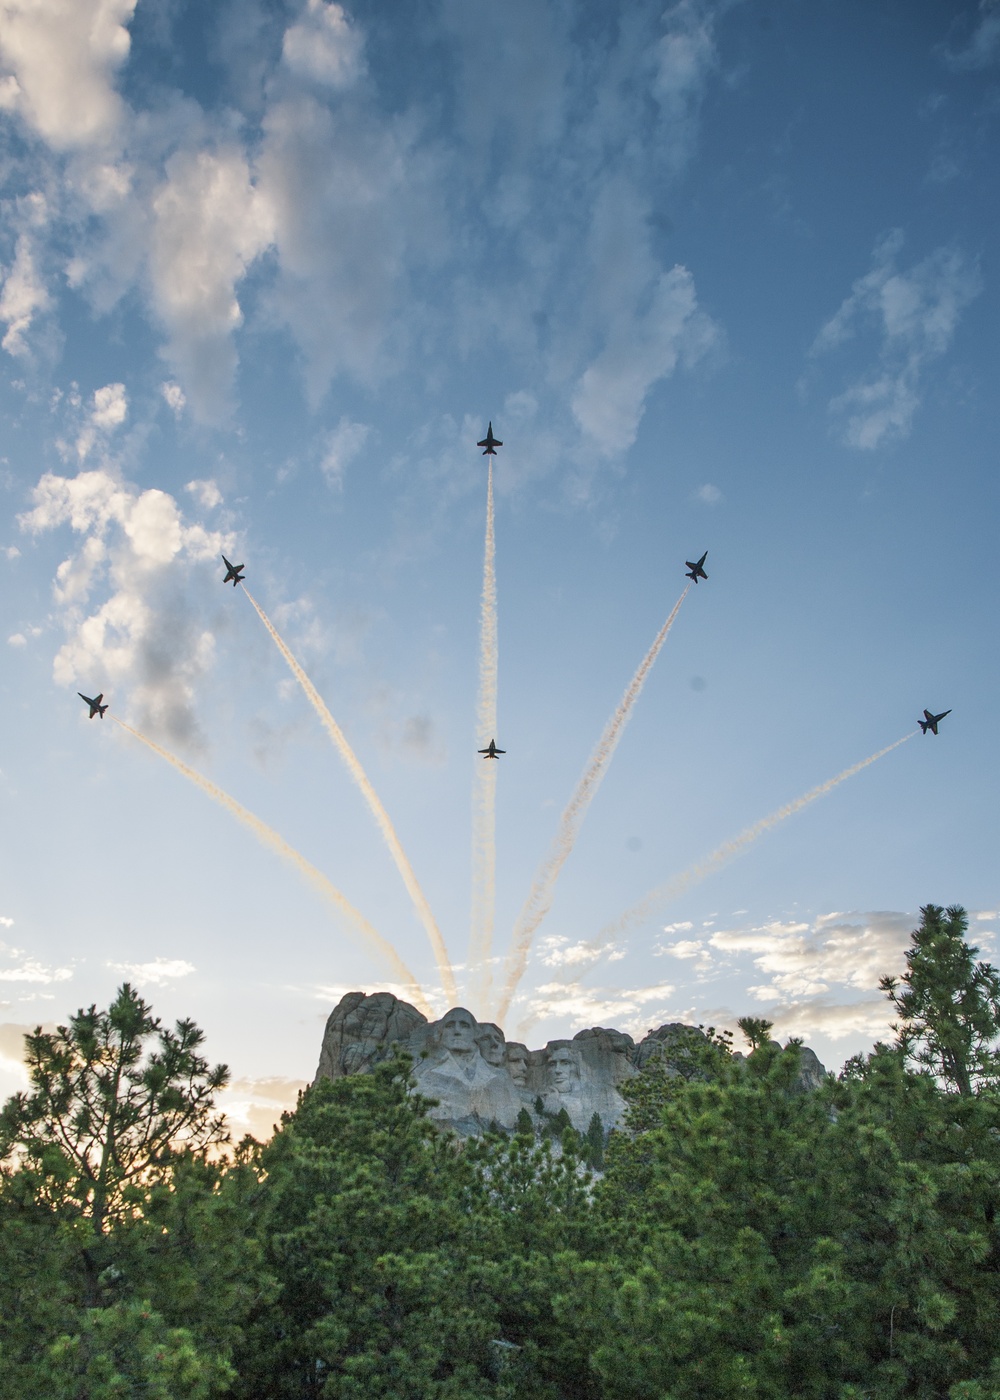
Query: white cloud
point(109, 412)
point(694, 950)
point(340, 448)
point(684, 58)
point(364, 205)
point(869, 1017)
point(30, 969)
point(147, 632)
point(209, 223)
point(24, 296)
point(684, 948)
point(325, 45)
point(708, 495)
point(555, 950)
point(11, 552)
point(186, 236)
point(983, 48)
point(110, 406)
point(61, 55)
point(642, 347)
point(153, 974)
point(336, 184)
point(174, 396)
point(916, 313)
point(804, 963)
point(206, 493)
point(626, 1009)
point(17, 639)
point(6, 922)
point(255, 1105)
point(802, 959)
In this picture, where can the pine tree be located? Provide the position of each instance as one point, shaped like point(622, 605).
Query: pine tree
point(126, 1263)
point(380, 1288)
point(756, 1029)
point(104, 1112)
point(594, 1143)
point(949, 1005)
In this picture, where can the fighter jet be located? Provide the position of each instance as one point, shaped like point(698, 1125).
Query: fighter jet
point(96, 708)
point(492, 751)
point(233, 571)
point(490, 443)
point(931, 722)
point(697, 571)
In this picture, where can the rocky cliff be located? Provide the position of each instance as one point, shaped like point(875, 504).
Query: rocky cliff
point(478, 1077)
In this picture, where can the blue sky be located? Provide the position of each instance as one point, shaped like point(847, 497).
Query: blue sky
point(723, 276)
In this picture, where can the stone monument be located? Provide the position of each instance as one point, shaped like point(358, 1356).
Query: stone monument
point(478, 1078)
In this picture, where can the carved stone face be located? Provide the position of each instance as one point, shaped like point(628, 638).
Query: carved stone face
point(517, 1064)
point(458, 1031)
point(491, 1045)
point(564, 1072)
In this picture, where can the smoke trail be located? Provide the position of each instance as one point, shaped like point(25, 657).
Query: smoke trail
point(371, 797)
point(484, 853)
point(542, 892)
point(725, 853)
point(264, 834)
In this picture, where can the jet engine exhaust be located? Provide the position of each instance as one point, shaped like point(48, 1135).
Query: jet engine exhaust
point(542, 892)
point(371, 797)
point(484, 792)
point(373, 939)
point(725, 853)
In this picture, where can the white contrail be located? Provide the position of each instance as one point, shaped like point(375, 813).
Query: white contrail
point(542, 891)
point(484, 850)
point(725, 853)
point(374, 940)
point(371, 797)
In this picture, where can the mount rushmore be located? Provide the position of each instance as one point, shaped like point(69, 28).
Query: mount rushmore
point(478, 1077)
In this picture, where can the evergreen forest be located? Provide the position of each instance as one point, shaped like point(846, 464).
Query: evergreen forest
point(740, 1237)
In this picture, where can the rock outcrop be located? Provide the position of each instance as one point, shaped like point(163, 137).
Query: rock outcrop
point(479, 1078)
point(363, 1029)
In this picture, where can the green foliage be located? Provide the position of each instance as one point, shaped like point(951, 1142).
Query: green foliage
point(694, 1054)
point(524, 1123)
point(594, 1143)
point(127, 1349)
point(380, 1290)
point(102, 1114)
point(556, 1124)
point(756, 1029)
point(127, 1261)
point(949, 1005)
point(745, 1237)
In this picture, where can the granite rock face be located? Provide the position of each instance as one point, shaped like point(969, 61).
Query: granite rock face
point(811, 1072)
point(362, 1030)
point(478, 1077)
